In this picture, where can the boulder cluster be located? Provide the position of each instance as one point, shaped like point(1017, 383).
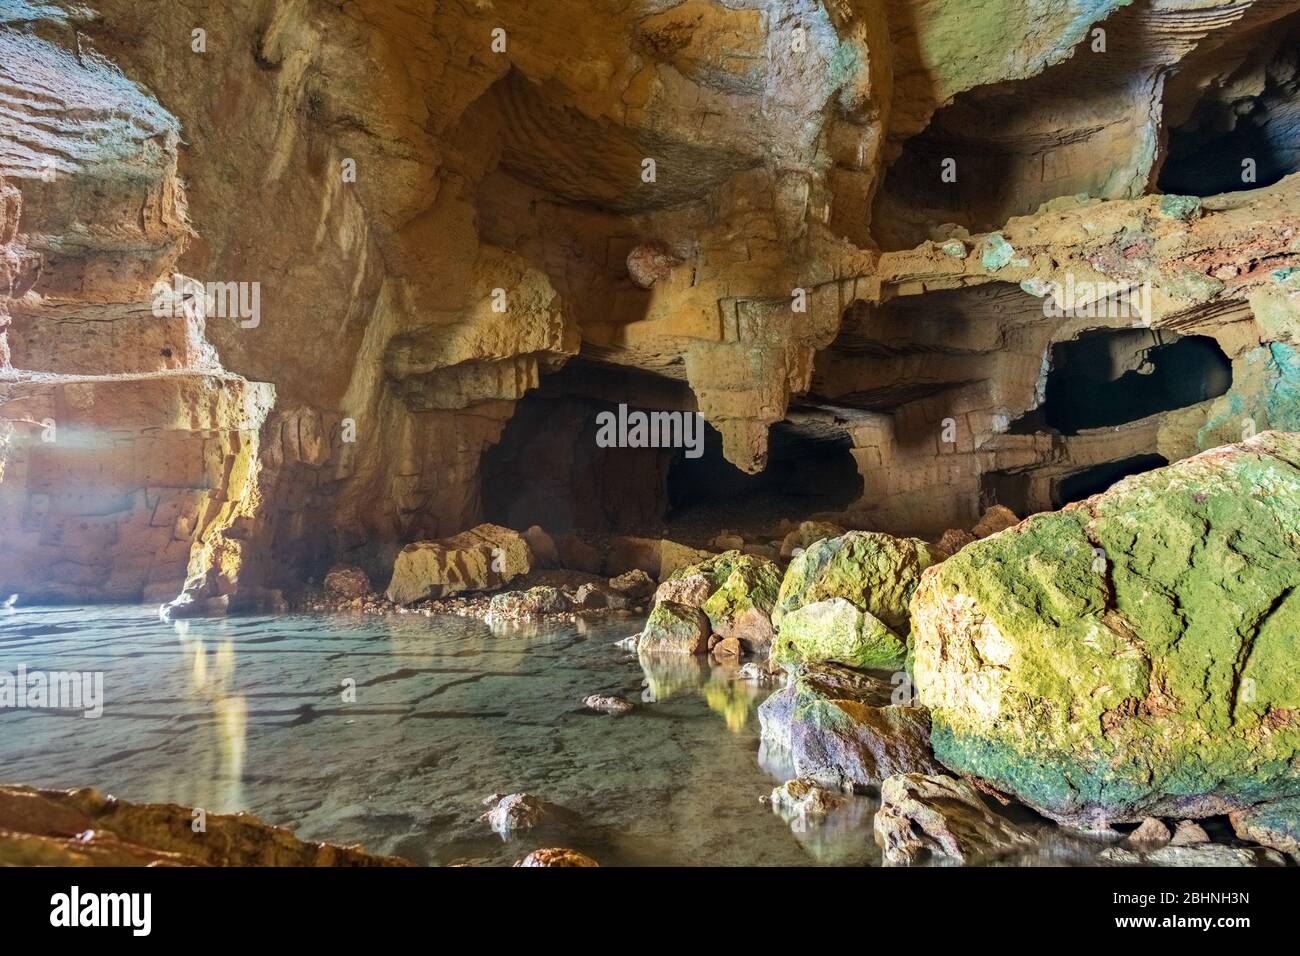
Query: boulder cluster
point(1126, 661)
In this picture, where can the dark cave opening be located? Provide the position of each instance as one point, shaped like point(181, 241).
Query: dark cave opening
point(549, 469)
point(1233, 122)
point(1108, 377)
point(1091, 481)
point(1207, 162)
point(809, 469)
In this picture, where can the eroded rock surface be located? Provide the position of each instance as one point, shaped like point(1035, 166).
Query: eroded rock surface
point(84, 828)
point(1128, 656)
point(938, 817)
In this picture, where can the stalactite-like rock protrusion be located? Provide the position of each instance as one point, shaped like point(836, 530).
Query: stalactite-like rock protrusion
point(418, 224)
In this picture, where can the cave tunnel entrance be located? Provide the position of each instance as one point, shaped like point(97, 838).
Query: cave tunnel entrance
point(1092, 481)
point(548, 469)
point(1234, 122)
point(1108, 377)
point(809, 469)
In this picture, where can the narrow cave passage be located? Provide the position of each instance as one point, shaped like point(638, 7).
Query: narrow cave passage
point(1249, 120)
point(548, 468)
point(809, 469)
point(1108, 377)
point(1094, 480)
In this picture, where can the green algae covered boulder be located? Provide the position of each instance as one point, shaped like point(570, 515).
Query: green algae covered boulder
point(1134, 654)
point(741, 607)
point(872, 574)
point(674, 628)
point(736, 591)
point(837, 630)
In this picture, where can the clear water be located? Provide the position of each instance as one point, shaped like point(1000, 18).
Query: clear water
point(249, 714)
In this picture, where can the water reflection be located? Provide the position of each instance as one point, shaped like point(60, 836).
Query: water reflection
point(212, 687)
point(719, 684)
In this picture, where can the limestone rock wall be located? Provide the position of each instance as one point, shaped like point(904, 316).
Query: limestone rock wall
point(440, 205)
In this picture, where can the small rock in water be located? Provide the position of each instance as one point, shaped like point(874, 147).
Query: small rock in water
point(628, 643)
point(1189, 833)
point(556, 856)
point(803, 800)
point(1152, 832)
point(728, 647)
point(941, 816)
point(607, 704)
point(515, 811)
point(756, 672)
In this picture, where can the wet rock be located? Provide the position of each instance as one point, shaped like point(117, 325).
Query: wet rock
point(534, 602)
point(808, 533)
point(851, 745)
point(591, 597)
point(542, 545)
point(1092, 662)
point(1189, 833)
point(675, 629)
point(481, 559)
point(1207, 854)
point(84, 828)
point(1275, 824)
point(939, 816)
point(995, 519)
point(347, 581)
point(813, 682)
point(837, 630)
point(556, 856)
point(741, 606)
point(603, 704)
point(804, 800)
point(838, 728)
point(517, 811)
point(628, 643)
point(875, 572)
point(1151, 833)
point(635, 585)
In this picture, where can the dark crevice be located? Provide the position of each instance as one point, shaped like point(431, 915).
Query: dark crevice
point(1095, 480)
point(1112, 377)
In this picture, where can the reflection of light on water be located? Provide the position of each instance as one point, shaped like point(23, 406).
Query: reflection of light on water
point(735, 700)
point(668, 675)
point(211, 684)
point(232, 727)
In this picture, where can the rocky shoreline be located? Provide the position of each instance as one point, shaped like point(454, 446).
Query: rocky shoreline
point(1040, 674)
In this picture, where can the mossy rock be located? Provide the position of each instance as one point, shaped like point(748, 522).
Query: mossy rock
point(695, 583)
point(837, 630)
point(876, 573)
point(741, 606)
point(674, 628)
point(1132, 655)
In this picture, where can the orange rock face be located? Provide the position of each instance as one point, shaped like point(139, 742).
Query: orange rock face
point(411, 227)
point(83, 828)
